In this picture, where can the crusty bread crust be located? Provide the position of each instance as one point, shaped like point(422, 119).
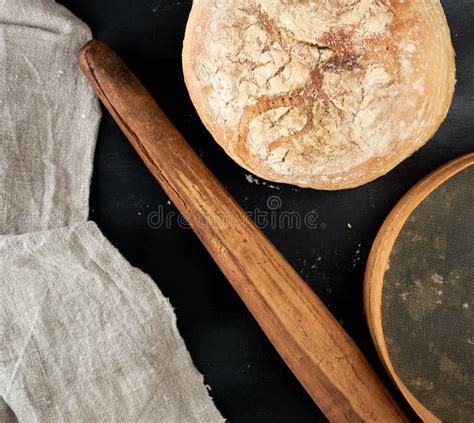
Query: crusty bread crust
point(323, 94)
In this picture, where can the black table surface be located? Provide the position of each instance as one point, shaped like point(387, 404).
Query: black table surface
point(249, 381)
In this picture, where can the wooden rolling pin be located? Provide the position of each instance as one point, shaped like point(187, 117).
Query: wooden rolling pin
point(313, 344)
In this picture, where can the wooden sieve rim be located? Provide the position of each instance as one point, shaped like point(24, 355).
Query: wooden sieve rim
point(378, 260)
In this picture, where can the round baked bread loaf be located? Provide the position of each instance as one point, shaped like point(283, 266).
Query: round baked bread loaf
point(324, 94)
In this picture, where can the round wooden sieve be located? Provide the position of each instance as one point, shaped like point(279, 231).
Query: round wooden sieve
point(419, 294)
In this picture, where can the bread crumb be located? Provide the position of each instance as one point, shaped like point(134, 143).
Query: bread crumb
point(252, 180)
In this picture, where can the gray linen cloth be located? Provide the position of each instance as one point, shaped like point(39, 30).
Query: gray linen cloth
point(84, 337)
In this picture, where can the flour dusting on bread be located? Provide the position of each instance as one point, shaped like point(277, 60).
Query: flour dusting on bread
point(310, 92)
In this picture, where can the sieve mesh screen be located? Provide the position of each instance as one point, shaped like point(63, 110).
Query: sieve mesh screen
point(428, 301)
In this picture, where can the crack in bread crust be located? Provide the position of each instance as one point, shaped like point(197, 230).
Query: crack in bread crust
point(343, 59)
